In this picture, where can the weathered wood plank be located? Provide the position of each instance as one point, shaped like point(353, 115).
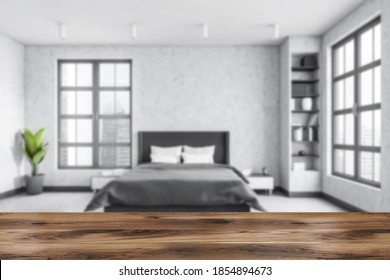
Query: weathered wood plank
point(194, 236)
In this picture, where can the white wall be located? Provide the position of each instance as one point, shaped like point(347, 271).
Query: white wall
point(11, 113)
point(364, 197)
point(175, 88)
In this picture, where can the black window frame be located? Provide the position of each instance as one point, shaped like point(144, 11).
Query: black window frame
point(357, 108)
point(95, 88)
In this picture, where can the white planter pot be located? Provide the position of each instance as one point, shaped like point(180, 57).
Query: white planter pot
point(307, 104)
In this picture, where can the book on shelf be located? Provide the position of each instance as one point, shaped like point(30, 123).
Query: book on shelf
point(313, 120)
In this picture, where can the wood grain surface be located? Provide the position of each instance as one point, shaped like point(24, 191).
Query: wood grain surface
point(194, 236)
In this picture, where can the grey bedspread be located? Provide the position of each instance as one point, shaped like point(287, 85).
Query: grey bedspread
point(177, 184)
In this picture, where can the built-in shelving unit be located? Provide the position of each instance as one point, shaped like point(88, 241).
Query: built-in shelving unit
point(300, 82)
point(304, 126)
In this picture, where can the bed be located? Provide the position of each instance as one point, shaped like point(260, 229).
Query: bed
point(152, 187)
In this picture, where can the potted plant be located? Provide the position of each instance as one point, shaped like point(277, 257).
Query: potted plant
point(35, 151)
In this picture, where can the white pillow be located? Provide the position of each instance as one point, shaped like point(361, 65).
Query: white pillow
point(208, 150)
point(191, 158)
point(166, 151)
point(164, 159)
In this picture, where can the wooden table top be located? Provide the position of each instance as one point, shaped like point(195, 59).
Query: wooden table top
point(194, 236)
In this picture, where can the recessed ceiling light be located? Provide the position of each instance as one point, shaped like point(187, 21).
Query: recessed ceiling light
point(205, 28)
point(62, 31)
point(134, 31)
point(276, 32)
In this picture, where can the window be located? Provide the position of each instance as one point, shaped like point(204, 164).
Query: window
point(94, 109)
point(357, 105)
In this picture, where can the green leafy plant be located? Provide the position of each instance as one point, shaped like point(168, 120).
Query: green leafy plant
point(34, 148)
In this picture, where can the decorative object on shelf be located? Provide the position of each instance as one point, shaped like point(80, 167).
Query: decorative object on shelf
point(310, 134)
point(313, 120)
point(299, 166)
point(265, 171)
point(134, 31)
point(309, 61)
point(35, 150)
point(307, 104)
point(246, 172)
point(298, 134)
point(302, 153)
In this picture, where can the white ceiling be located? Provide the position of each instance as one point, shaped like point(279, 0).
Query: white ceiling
point(172, 22)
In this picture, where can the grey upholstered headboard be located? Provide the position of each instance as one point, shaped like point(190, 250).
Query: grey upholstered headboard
point(190, 138)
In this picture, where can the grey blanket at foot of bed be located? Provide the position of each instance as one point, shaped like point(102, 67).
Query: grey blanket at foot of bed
point(177, 184)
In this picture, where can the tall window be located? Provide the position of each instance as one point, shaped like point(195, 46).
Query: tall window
point(357, 105)
point(94, 102)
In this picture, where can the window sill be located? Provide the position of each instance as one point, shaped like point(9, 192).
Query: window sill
point(354, 183)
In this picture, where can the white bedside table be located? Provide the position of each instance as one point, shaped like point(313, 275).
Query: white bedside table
point(98, 182)
point(261, 182)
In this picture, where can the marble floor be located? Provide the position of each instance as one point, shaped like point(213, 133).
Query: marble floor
point(76, 202)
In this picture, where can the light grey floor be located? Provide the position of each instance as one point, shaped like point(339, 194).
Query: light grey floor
point(280, 203)
point(76, 202)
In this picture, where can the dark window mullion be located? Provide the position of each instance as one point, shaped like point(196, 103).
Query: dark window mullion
point(345, 76)
point(76, 144)
point(357, 102)
point(368, 108)
point(343, 112)
point(373, 111)
point(110, 144)
point(368, 66)
point(76, 117)
point(334, 65)
point(76, 88)
point(96, 106)
point(344, 147)
point(59, 110)
point(369, 149)
point(114, 117)
point(114, 88)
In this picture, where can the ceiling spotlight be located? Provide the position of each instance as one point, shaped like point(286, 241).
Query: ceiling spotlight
point(134, 31)
point(205, 28)
point(62, 31)
point(276, 32)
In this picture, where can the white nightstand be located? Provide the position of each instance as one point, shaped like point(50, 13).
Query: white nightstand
point(98, 182)
point(261, 182)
